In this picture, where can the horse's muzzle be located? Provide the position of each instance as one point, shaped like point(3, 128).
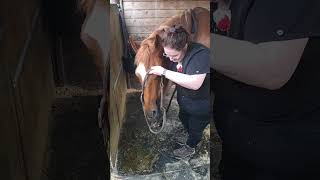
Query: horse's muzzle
point(154, 117)
point(153, 114)
point(155, 120)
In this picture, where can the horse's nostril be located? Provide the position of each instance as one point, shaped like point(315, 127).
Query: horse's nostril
point(154, 113)
point(151, 114)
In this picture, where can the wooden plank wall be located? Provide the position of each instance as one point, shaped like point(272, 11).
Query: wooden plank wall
point(118, 85)
point(25, 108)
point(143, 16)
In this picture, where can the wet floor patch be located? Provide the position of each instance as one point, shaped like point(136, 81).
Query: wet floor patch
point(143, 155)
point(75, 148)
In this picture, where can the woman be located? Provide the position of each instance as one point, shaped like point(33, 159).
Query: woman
point(266, 106)
point(191, 75)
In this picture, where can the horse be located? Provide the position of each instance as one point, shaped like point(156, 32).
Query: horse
point(150, 53)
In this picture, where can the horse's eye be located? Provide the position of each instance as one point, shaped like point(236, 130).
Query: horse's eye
point(165, 55)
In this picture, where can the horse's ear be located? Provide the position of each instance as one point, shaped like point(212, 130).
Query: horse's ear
point(162, 32)
point(133, 44)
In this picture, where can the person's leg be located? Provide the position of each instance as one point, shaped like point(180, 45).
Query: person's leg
point(181, 134)
point(183, 116)
point(196, 115)
point(196, 127)
point(184, 151)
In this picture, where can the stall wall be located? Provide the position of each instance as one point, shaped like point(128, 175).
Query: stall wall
point(143, 16)
point(26, 90)
point(118, 85)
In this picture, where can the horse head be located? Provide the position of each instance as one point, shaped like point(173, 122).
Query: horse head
point(150, 54)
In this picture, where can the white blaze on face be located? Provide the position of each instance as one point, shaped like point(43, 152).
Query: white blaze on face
point(141, 71)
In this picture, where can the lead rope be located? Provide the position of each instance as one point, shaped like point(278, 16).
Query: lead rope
point(162, 108)
point(174, 91)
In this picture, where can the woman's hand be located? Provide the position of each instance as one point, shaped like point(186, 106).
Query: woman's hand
point(157, 70)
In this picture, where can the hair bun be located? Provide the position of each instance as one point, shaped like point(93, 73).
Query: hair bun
point(176, 28)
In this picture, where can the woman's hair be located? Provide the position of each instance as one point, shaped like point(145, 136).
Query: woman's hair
point(176, 37)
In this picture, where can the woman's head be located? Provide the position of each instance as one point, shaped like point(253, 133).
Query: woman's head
point(175, 43)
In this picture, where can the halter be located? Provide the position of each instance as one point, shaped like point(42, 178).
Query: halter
point(163, 109)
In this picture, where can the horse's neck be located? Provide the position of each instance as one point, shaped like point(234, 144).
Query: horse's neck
point(186, 20)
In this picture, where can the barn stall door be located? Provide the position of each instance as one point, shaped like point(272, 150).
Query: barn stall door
point(72, 62)
point(26, 90)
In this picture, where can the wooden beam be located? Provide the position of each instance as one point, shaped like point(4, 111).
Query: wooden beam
point(139, 36)
point(145, 13)
point(141, 29)
point(154, 0)
point(145, 22)
point(175, 5)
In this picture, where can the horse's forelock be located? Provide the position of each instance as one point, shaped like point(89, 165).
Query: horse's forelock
point(146, 48)
point(143, 55)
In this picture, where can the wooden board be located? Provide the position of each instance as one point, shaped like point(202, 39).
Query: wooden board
point(145, 21)
point(141, 29)
point(142, 17)
point(118, 84)
point(174, 5)
point(139, 36)
point(153, 0)
point(150, 13)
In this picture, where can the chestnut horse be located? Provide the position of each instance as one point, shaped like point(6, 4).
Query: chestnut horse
point(150, 54)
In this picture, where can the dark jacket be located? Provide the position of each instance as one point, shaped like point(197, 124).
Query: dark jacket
point(265, 129)
point(196, 61)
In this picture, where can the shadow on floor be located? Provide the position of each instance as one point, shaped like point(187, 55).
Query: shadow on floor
point(75, 148)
